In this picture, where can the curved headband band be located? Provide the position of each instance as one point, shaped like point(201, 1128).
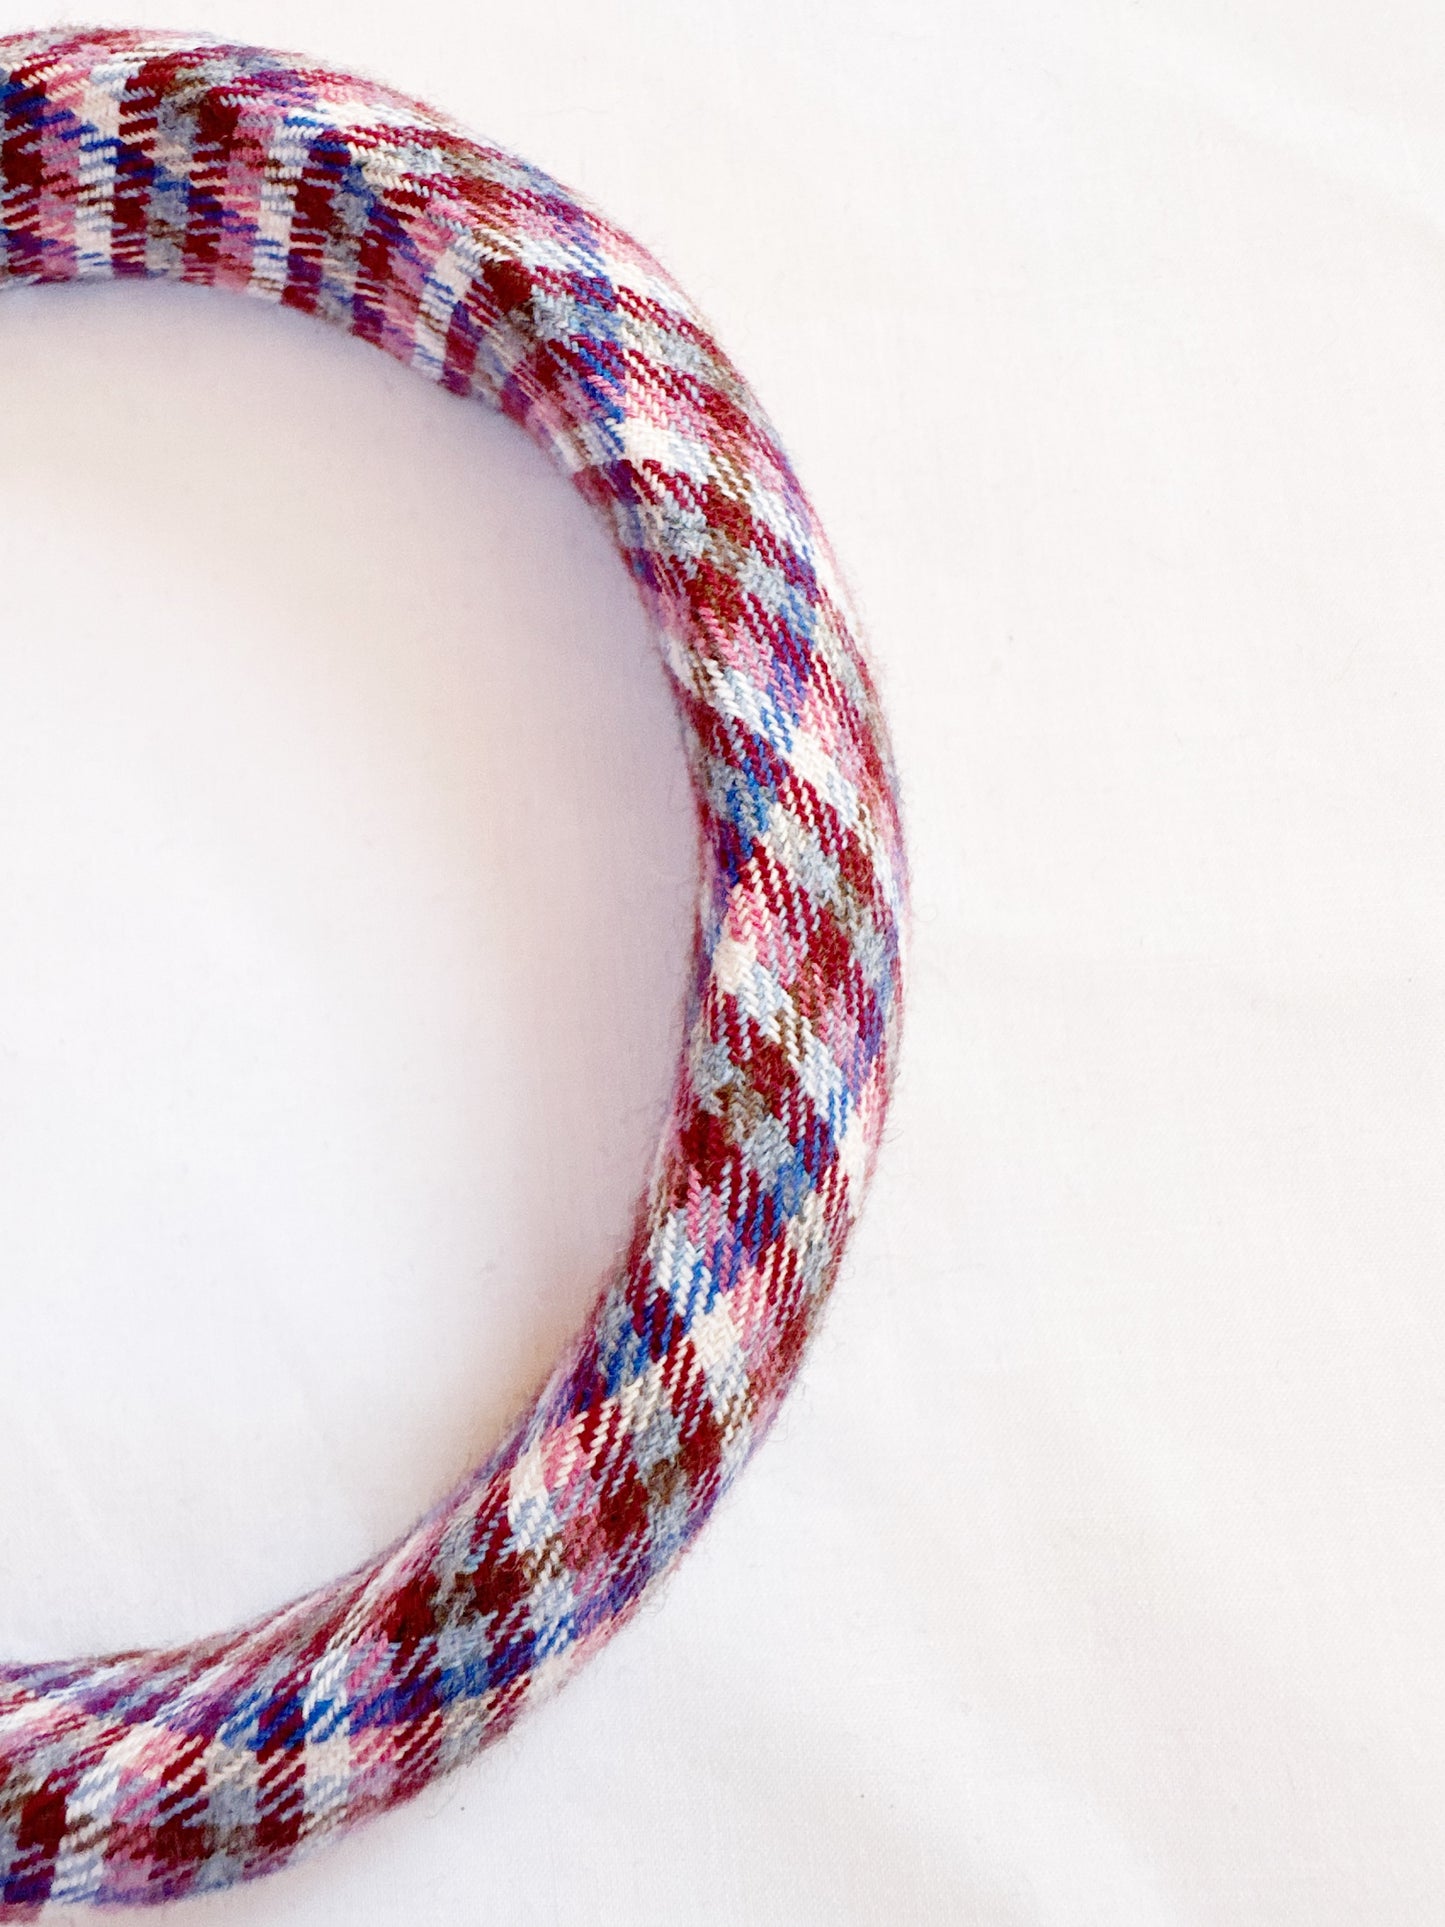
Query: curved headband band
point(142, 1776)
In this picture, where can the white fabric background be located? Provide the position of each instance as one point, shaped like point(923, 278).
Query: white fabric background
point(1096, 1571)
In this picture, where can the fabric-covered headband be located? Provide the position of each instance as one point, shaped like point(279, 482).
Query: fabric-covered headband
point(142, 1776)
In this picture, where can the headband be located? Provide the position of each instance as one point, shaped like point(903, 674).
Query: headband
point(141, 1776)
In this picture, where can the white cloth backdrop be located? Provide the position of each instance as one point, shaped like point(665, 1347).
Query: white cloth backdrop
point(1096, 1571)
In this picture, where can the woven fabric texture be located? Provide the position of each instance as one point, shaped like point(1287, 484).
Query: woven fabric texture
point(139, 1777)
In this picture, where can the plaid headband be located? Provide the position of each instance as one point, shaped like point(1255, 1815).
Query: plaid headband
point(139, 1777)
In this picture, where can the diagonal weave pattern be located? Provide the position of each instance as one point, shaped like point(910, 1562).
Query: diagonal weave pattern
point(138, 1777)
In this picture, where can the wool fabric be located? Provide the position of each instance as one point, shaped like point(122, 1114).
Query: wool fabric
point(141, 1776)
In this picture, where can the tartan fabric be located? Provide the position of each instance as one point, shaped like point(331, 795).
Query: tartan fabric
point(138, 1777)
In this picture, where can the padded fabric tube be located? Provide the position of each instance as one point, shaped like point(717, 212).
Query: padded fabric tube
point(142, 1776)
